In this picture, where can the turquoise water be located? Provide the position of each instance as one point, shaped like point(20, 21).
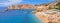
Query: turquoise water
point(18, 16)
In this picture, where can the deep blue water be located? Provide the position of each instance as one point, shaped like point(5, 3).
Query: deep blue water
point(18, 16)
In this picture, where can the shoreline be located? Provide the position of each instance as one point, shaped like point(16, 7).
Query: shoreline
point(48, 16)
point(43, 18)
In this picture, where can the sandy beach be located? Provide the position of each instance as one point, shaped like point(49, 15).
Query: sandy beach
point(43, 18)
point(48, 16)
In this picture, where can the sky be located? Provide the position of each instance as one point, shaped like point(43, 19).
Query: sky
point(11, 2)
point(36, 1)
point(5, 3)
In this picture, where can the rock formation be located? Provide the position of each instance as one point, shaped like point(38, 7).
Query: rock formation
point(49, 15)
point(21, 6)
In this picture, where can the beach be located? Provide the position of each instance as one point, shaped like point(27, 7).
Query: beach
point(40, 16)
point(48, 16)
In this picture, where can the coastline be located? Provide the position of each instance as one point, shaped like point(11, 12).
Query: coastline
point(48, 16)
point(43, 18)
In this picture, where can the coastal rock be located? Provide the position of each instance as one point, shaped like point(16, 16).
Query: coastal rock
point(49, 15)
point(21, 6)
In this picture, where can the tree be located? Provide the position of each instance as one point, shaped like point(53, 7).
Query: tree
point(57, 6)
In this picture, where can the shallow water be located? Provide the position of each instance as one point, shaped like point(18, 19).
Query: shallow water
point(19, 16)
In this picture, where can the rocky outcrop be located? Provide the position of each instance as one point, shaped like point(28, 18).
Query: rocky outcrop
point(49, 16)
point(29, 6)
point(21, 6)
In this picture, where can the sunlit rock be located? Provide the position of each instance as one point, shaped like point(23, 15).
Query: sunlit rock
point(21, 6)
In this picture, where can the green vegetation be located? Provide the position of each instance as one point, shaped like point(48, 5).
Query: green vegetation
point(57, 6)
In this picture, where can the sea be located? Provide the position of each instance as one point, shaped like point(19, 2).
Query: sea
point(19, 16)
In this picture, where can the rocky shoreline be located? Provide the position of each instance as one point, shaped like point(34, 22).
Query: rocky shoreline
point(43, 11)
point(48, 15)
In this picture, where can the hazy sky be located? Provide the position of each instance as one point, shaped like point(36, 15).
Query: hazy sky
point(10, 2)
point(5, 3)
point(36, 1)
